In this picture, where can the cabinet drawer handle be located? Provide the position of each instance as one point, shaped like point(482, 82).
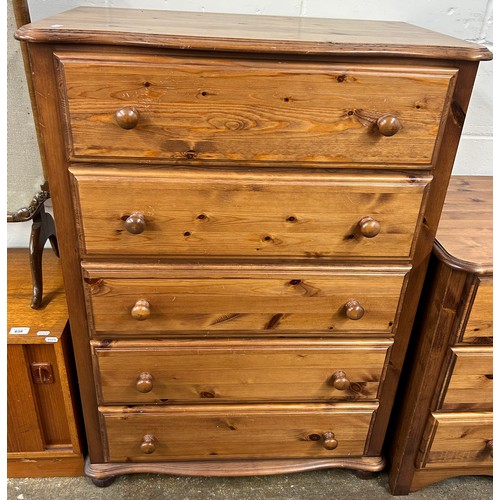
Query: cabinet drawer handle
point(329, 441)
point(141, 310)
point(135, 223)
point(127, 117)
point(144, 382)
point(148, 444)
point(369, 227)
point(340, 381)
point(388, 125)
point(354, 310)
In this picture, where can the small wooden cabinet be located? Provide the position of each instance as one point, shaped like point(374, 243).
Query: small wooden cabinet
point(43, 422)
point(444, 424)
point(245, 208)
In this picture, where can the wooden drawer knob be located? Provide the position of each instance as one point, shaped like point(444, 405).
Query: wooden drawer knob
point(354, 310)
point(148, 444)
point(127, 117)
point(388, 125)
point(369, 227)
point(340, 381)
point(135, 223)
point(144, 382)
point(329, 441)
point(141, 310)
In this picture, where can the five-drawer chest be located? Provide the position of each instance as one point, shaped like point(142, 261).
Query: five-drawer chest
point(245, 207)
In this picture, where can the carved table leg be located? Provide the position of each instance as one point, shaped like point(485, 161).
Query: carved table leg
point(43, 229)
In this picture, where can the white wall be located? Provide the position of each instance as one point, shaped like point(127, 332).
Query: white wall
point(465, 19)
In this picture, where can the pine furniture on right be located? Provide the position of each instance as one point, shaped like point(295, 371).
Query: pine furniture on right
point(443, 424)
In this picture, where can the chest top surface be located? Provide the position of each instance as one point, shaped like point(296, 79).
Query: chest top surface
point(465, 232)
point(247, 33)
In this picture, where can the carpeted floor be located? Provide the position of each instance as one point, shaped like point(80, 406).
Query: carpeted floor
point(315, 485)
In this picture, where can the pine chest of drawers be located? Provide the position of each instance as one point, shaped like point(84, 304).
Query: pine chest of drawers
point(245, 206)
point(445, 426)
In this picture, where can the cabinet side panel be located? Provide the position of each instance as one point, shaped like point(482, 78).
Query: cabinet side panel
point(48, 103)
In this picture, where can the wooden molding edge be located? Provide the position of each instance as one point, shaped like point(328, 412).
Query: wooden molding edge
point(31, 34)
point(233, 468)
point(461, 265)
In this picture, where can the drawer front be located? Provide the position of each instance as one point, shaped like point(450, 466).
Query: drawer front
point(216, 432)
point(470, 385)
point(247, 215)
point(458, 440)
point(247, 111)
point(232, 303)
point(229, 371)
point(479, 326)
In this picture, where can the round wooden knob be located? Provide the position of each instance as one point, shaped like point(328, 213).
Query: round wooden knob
point(144, 382)
point(141, 310)
point(340, 381)
point(388, 125)
point(489, 447)
point(148, 444)
point(354, 310)
point(127, 117)
point(329, 441)
point(369, 227)
point(135, 223)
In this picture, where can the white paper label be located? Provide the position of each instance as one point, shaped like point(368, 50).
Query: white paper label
point(52, 340)
point(19, 330)
point(43, 332)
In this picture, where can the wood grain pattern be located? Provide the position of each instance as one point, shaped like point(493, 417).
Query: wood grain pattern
point(470, 385)
point(232, 371)
point(465, 231)
point(236, 32)
point(50, 398)
point(23, 419)
point(239, 110)
point(211, 432)
point(459, 439)
point(203, 305)
point(249, 215)
point(479, 321)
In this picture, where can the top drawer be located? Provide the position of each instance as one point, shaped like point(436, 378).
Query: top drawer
point(200, 109)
